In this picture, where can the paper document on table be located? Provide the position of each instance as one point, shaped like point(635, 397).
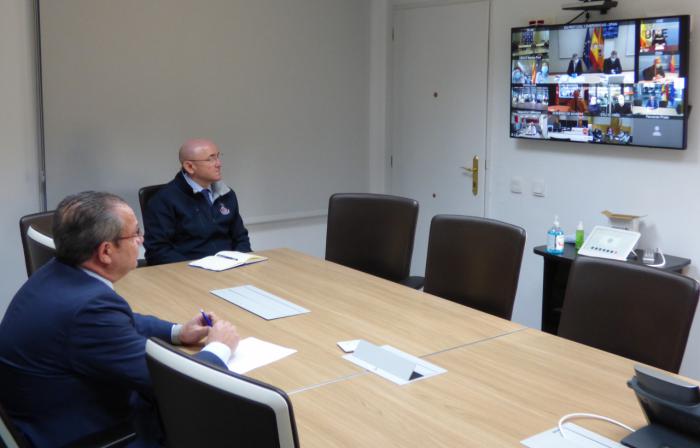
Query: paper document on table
point(576, 437)
point(392, 364)
point(253, 353)
point(226, 259)
point(253, 299)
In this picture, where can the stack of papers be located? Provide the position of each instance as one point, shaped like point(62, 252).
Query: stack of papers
point(226, 259)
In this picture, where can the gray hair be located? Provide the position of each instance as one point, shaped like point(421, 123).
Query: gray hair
point(82, 222)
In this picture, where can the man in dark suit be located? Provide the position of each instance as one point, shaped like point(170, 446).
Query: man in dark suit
point(621, 107)
point(575, 66)
point(652, 102)
point(72, 353)
point(611, 65)
point(654, 72)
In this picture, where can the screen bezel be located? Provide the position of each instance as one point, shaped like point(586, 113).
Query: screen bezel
point(683, 71)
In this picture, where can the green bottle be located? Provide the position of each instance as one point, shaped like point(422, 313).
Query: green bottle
point(579, 235)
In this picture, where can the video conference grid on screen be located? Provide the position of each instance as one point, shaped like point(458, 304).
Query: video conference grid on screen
point(618, 82)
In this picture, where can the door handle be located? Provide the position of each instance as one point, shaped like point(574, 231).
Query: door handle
point(474, 171)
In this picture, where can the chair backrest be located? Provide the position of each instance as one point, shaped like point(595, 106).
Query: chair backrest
point(372, 233)
point(35, 232)
point(146, 193)
point(200, 404)
point(474, 261)
point(10, 436)
point(635, 311)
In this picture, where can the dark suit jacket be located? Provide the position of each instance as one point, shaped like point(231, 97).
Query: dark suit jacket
point(578, 69)
point(623, 110)
point(612, 67)
point(649, 73)
point(72, 354)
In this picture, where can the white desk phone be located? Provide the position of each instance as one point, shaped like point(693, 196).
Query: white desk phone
point(616, 244)
point(607, 242)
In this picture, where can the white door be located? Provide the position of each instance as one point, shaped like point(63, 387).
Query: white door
point(439, 74)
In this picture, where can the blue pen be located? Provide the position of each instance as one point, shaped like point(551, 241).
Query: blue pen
point(206, 318)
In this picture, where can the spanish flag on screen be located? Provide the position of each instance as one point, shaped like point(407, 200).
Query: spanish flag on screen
point(596, 56)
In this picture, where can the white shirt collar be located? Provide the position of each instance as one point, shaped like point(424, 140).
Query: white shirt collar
point(196, 188)
point(98, 277)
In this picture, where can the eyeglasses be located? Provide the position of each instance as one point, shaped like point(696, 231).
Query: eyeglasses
point(138, 234)
point(211, 159)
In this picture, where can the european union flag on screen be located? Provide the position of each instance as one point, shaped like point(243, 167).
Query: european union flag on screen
point(586, 56)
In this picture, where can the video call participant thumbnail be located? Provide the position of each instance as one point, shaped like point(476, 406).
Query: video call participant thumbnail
point(611, 65)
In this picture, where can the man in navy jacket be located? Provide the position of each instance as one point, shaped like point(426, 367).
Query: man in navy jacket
point(72, 353)
point(196, 214)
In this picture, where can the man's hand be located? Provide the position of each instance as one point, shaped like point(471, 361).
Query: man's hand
point(196, 328)
point(224, 332)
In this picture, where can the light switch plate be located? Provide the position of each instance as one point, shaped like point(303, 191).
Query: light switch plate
point(516, 184)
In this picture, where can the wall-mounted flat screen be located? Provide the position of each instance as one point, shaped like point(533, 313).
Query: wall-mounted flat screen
point(622, 82)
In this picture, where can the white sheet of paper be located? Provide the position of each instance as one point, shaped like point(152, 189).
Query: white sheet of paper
point(577, 437)
point(425, 368)
point(253, 353)
point(260, 302)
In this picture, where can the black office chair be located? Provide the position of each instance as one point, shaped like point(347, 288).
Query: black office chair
point(373, 233)
point(37, 242)
point(475, 262)
point(117, 437)
point(10, 436)
point(146, 193)
point(200, 404)
point(634, 311)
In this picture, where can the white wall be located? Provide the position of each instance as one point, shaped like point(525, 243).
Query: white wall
point(18, 138)
point(18, 128)
point(380, 26)
point(583, 180)
point(282, 86)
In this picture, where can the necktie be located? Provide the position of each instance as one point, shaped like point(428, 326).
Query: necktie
point(205, 193)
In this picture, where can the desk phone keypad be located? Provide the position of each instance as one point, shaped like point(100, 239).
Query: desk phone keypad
point(604, 250)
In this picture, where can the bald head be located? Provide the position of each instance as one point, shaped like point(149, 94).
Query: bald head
point(195, 148)
point(201, 160)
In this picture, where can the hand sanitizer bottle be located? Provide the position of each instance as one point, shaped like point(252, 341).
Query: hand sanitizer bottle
point(555, 238)
point(579, 235)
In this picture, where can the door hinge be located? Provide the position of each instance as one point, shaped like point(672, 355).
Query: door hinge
point(391, 161)
point(392, 34)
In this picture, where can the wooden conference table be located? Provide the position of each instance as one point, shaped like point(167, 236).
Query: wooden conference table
point(504, 382)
